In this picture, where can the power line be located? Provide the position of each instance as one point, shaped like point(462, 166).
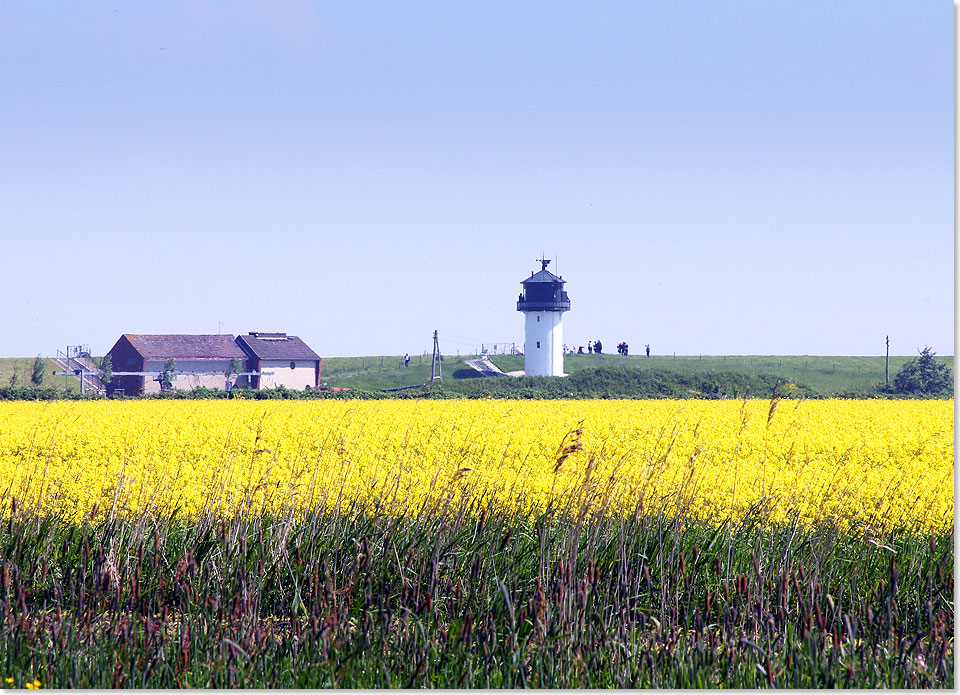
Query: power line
point(461, 342)
point(462, 337)
point(472, 341)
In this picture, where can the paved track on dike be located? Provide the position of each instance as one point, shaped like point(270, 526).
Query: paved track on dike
point(485, 367)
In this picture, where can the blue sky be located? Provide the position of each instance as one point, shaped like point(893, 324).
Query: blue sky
point(715, 178)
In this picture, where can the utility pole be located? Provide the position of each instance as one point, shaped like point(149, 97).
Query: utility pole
point(887, 367)
point(436, 371)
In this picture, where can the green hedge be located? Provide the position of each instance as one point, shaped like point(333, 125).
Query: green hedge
point(598, 382)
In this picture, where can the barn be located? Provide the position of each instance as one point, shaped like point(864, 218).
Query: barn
point(201, 360)
point(292, 362)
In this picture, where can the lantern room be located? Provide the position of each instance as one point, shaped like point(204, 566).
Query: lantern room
point(543, 291)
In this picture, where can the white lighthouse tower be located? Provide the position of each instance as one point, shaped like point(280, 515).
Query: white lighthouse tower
point(543, 302)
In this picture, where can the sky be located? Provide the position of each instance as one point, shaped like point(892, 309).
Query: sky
point(708, 177)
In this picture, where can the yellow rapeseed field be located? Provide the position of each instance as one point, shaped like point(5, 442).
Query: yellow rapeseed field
point(869, 462)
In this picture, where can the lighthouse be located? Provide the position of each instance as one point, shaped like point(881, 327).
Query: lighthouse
point(543, 302)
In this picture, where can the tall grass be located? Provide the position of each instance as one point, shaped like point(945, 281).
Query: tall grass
point(464, 592)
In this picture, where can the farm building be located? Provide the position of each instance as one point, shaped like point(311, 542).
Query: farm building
point(292, 362)
point(212, 361)
point(200, 360)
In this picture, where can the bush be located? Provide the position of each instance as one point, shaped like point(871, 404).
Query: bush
point(922, 376)
point(106, 366)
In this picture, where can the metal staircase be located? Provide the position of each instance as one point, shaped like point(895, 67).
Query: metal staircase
point(84, 369)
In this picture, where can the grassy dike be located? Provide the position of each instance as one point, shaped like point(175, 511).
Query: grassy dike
point(818, 375)
point(815, 375)
point(16, 371)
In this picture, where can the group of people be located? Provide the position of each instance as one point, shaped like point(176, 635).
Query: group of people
point(595, 347)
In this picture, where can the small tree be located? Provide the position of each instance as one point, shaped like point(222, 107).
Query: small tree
point(923, 376)
point(39, 371)
point(166, 376)
point(236, 366)
point(106, 369)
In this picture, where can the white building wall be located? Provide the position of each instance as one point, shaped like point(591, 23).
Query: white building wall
point(302, 375)
point(188, 382)
point(543, 349)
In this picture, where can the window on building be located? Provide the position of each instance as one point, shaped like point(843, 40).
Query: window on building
point(538, 343)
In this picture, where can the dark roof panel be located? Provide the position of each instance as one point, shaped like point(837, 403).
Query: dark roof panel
point(276, 346)
point(542, 276)
point(161, 347)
